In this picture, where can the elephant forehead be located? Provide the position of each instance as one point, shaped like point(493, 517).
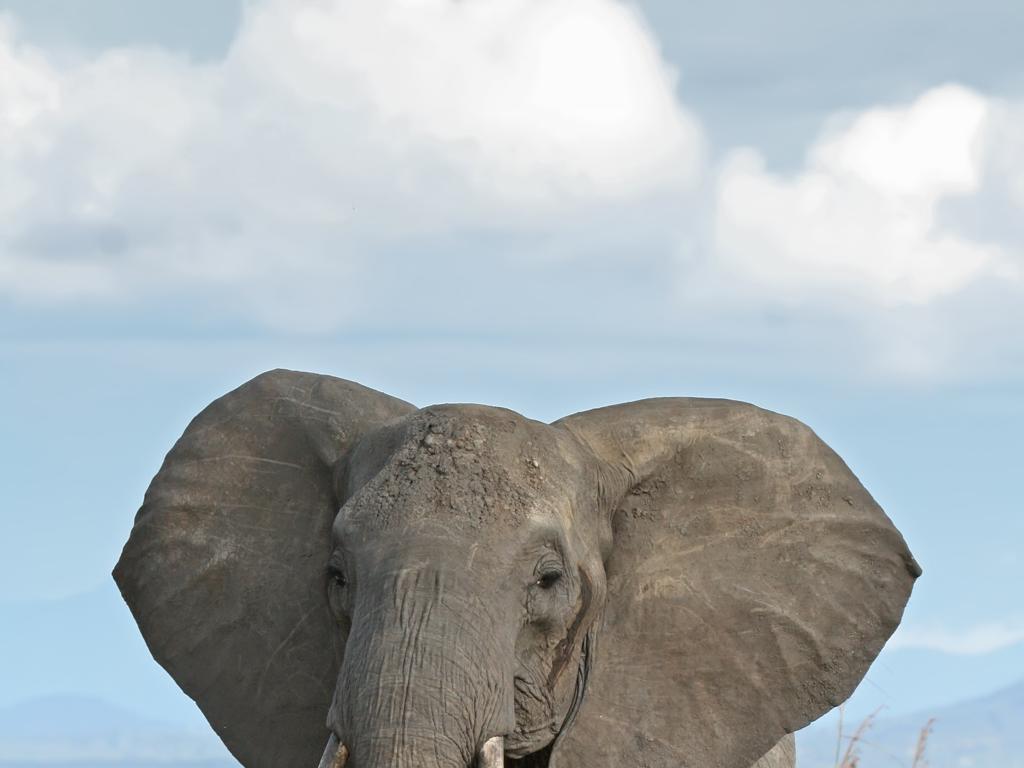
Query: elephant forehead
point(464, 465)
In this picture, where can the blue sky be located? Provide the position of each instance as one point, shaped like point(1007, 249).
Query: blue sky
point(548, 206)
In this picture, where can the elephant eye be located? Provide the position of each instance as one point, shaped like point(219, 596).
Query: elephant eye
point(337, 576)
point(548, 579)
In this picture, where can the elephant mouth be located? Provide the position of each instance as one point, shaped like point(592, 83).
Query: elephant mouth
point(540, 758)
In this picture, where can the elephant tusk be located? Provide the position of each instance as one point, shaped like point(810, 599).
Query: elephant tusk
point(492, 753)
point(335, 754)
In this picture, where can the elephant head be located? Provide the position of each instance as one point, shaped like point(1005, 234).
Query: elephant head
point(671, 582)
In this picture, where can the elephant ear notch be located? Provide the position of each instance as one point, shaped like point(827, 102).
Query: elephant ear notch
point(751, 582)
point(224, 570)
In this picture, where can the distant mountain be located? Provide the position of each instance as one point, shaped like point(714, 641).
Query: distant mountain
point(905, 680)
point(986, 732)
point(128, 763)
point(79, 716)
point(83, 732)
point(102, 657)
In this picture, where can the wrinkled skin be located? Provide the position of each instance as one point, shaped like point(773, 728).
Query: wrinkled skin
point(466, 589)
point(484, 575)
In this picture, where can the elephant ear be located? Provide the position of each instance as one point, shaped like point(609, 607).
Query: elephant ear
point(225, 567)
point(751, 582)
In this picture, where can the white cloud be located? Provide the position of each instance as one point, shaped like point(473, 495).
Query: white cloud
point(864, 218)
point(329, 126)
point(345, 155)
point(530, 99)
point(980, 639)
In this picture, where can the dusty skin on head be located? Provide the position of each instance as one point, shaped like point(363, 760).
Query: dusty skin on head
point(340, 578)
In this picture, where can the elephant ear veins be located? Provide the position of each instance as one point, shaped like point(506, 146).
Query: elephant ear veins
point(752, 581)
point(224, 568)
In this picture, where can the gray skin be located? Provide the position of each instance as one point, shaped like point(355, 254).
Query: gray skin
point(672, 582)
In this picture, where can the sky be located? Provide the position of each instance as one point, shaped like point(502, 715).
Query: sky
point(549, 206)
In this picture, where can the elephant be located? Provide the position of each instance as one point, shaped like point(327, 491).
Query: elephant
point(662, 583)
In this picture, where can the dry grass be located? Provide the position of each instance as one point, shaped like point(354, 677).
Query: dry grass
point(850, 757)
point(920, 761)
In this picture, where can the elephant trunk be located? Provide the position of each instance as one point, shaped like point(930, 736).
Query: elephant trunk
point(425, 683)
